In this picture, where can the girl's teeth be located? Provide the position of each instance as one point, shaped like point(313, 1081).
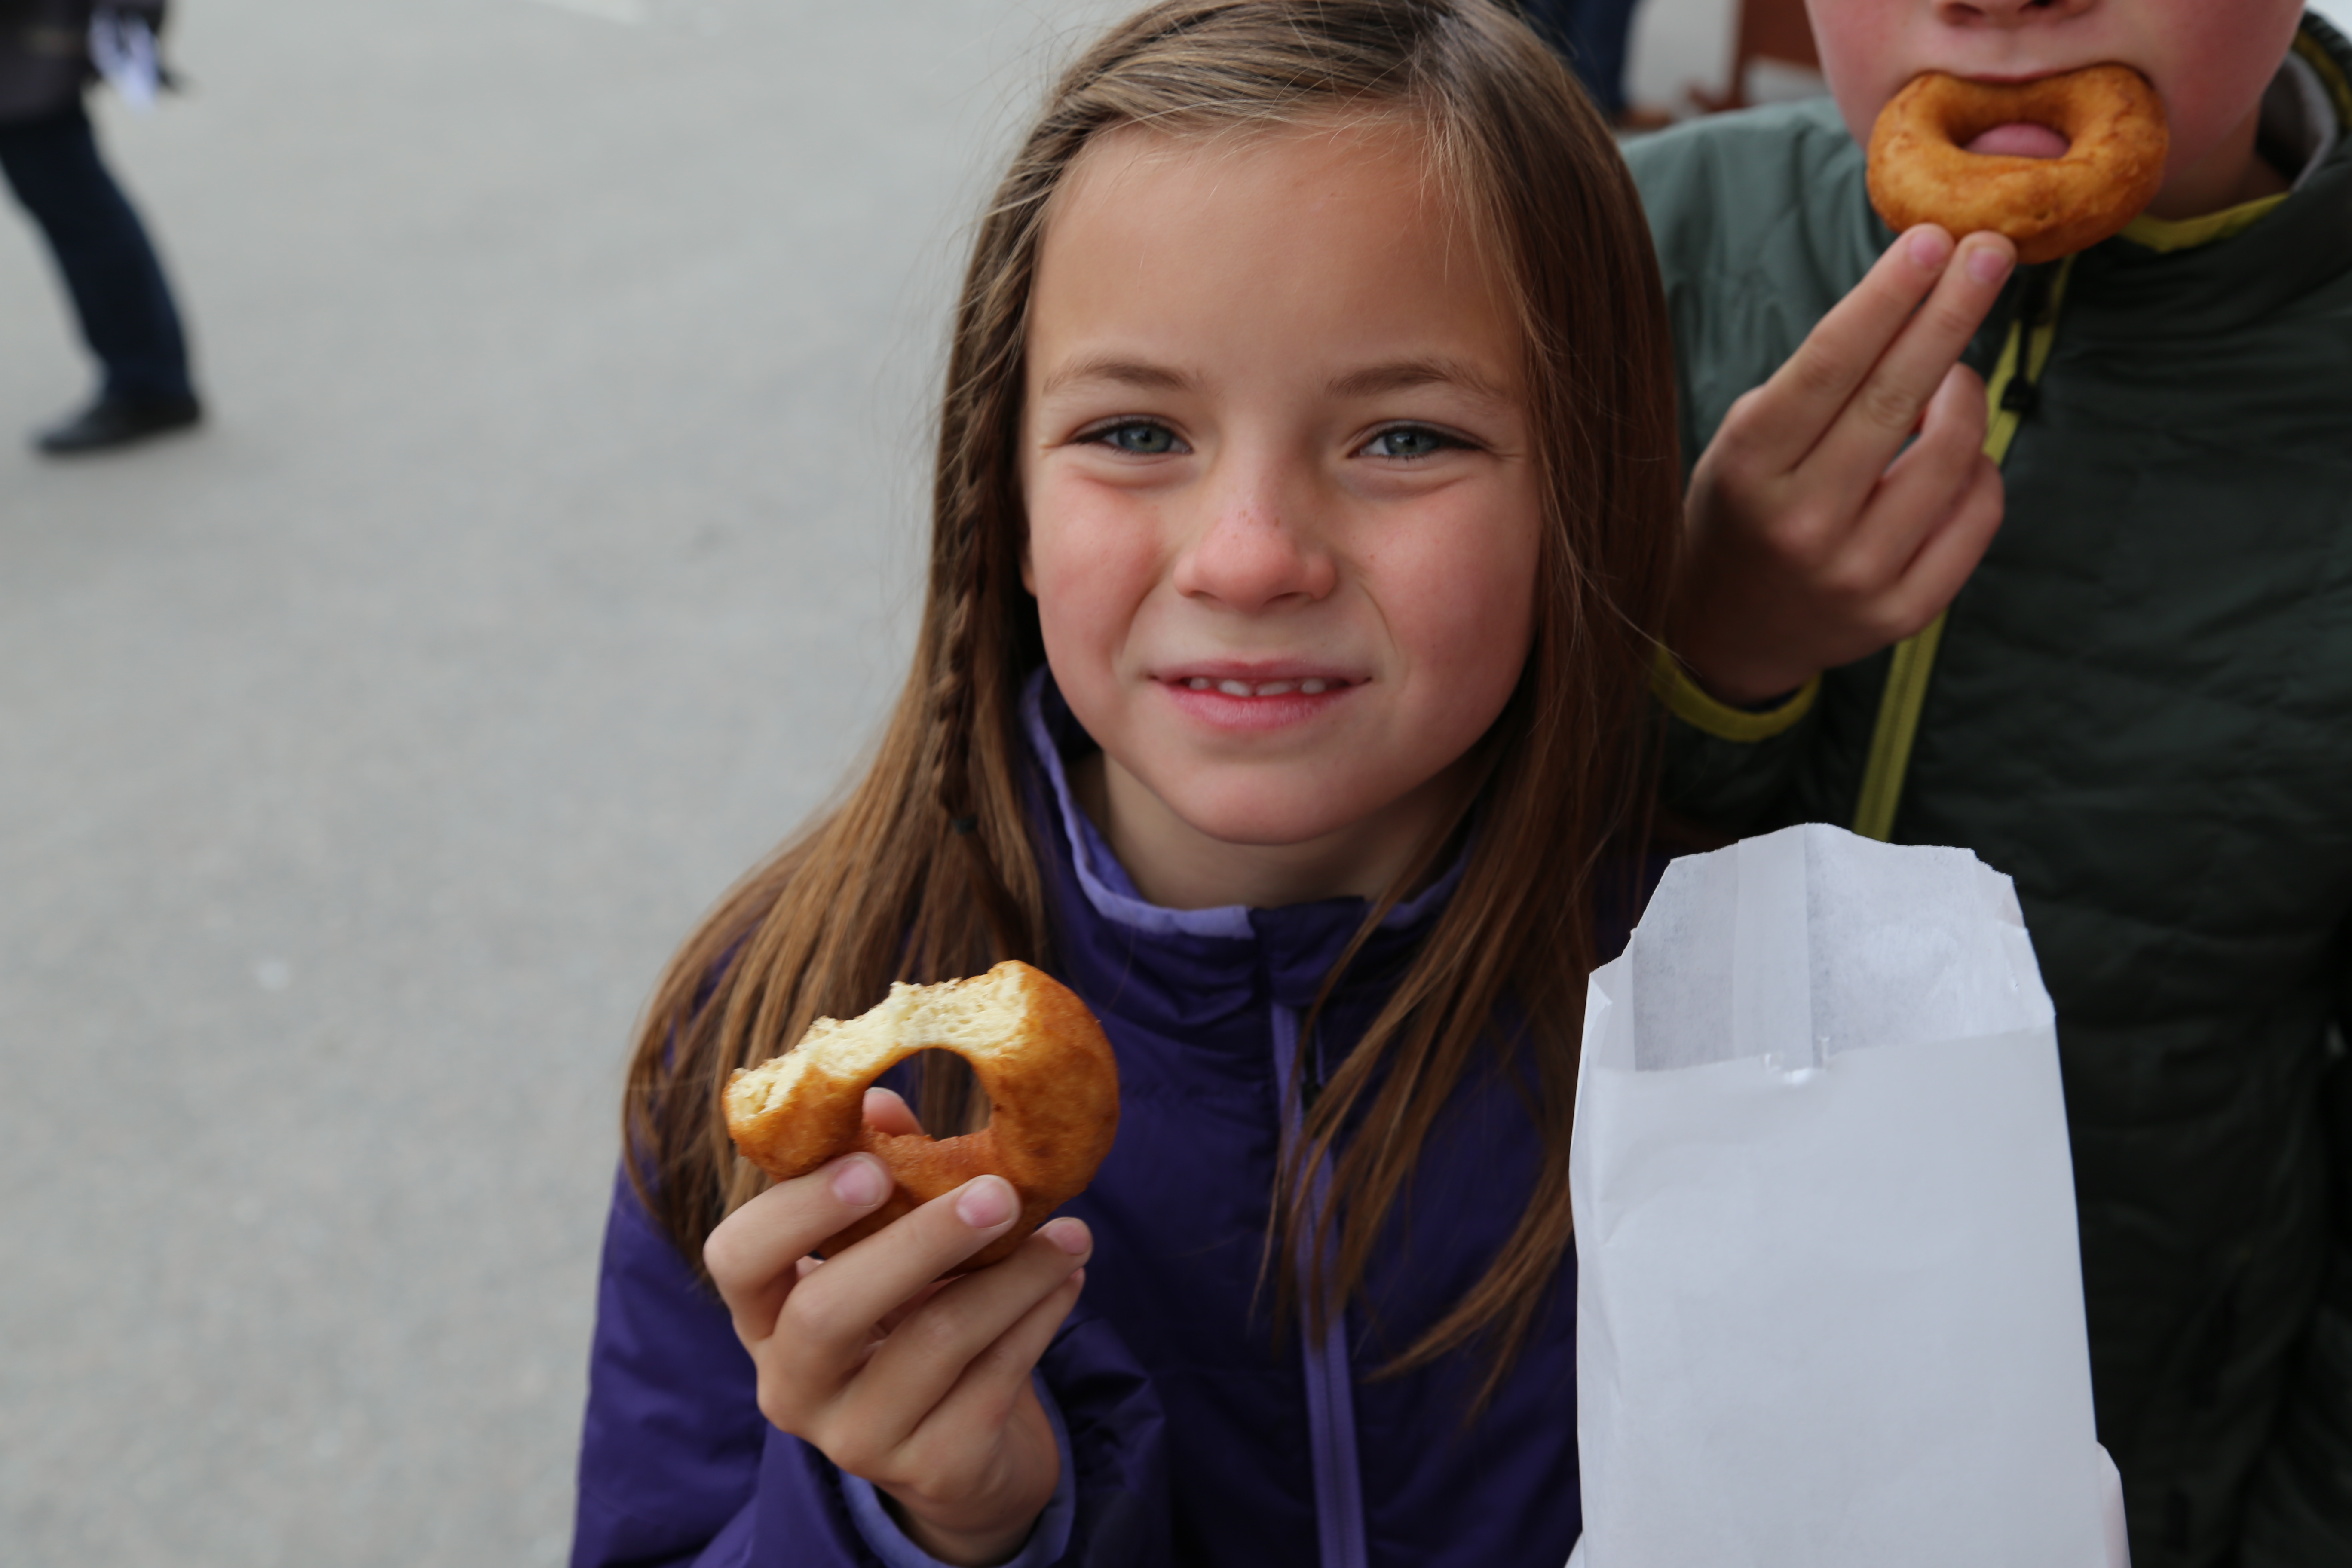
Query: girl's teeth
point(1312, 686)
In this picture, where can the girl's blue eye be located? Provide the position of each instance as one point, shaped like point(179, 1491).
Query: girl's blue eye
point(1409, 441)
point(1139, 437)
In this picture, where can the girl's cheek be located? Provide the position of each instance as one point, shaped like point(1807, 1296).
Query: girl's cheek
point(1093, 560)
point(1467, 584)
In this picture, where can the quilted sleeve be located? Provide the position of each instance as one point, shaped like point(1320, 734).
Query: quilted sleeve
point(1726, 767)
point(670, 1449)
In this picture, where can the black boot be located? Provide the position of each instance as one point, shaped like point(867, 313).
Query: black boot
point(113, 422)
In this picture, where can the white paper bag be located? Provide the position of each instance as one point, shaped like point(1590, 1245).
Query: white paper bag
point(1830, 1306)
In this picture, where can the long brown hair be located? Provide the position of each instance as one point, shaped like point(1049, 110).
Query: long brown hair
point(927, 869)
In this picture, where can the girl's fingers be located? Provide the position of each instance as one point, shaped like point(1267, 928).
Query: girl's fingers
point(937, 1347)
point(887, 1112)
point(997, 1377)
point(1886, 407)
point(753, 1255)
point(892, 1319)
point(830, 1321)
point(991, 1419)
point(1794, 409)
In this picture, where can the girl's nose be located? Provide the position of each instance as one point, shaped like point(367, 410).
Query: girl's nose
point(1257, 549)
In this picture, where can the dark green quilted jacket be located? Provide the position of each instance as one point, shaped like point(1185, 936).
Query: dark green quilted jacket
point(2141, 709)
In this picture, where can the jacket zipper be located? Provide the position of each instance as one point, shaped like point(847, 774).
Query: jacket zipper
point(2013, 394)
point(1330, 1386)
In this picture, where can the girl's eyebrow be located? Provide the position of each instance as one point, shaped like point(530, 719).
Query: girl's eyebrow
point(1401, 374)
point(1370, 381)
point(1124, 372)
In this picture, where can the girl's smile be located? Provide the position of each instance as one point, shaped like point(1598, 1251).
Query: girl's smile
point(1283, 519)
point(1239, 696)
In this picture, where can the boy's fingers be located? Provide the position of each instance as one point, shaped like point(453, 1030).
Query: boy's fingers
point(1922, 486)
point(1951, 554)
point(1886, 407)
point(832, 1315)
point(754, 1254)
point(934, 1349)
point(1804, 397)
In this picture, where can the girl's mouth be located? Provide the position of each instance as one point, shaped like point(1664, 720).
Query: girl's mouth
point(1237, 701)
point(1309, 686)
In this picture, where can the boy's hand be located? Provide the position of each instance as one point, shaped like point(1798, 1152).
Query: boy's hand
point(1812, 542)
point(920, 1387)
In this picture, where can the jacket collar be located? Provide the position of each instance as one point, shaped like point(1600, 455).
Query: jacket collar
point(2186, 280)
point(1244, 955)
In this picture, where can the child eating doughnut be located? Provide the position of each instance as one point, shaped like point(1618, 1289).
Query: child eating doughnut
point(1933, 157)
point(1303, 524)
point(2132, 697)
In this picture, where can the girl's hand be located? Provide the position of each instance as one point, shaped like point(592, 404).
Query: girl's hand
point(922, 1387)
point(1812, 542)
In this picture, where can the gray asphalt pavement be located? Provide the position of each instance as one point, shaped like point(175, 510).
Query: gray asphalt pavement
point(363, 757)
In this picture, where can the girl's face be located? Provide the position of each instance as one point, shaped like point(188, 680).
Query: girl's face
point(1283, 513)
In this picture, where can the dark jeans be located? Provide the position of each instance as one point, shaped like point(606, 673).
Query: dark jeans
point(1591, 35)
point(117, 284)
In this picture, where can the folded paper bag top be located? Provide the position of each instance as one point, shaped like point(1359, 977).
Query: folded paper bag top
point(1810, 941)
point(1830, 1308)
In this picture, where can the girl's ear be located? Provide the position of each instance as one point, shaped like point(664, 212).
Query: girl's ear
point(1028, 576)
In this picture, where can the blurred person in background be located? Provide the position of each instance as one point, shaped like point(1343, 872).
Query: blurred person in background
point(49, 49)
point(1592, 37)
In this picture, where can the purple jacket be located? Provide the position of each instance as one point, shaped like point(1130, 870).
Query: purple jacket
point(1195, 1434)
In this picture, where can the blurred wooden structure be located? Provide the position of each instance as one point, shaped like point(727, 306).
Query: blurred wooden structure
point(1777, 31)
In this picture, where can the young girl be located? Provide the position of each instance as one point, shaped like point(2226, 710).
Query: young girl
point(1305, 492)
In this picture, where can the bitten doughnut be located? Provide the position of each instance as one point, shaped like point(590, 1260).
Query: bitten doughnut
point(1921, 171)
point(1039, 1055)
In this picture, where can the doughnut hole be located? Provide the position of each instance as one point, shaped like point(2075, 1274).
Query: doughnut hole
point(941, 1086)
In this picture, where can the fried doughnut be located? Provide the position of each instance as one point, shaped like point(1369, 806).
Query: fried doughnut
point(1039, 1055)
point(1920, 169)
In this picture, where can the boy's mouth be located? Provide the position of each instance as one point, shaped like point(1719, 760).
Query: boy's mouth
point(2021, 139)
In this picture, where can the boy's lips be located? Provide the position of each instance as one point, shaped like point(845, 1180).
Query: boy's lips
point(2012, 79)
point(2027, 75)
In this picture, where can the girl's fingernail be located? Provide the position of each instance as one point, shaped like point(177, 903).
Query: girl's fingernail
point(985, 1203)
point(1931, 247)
point(1069, 1235)
point(858, 1182)
point(1987, 265)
